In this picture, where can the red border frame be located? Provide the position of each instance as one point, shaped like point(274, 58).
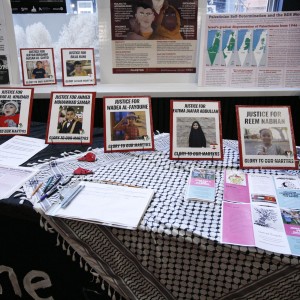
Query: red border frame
point(22, 66)
point(171, 130)
point(29, 110)
point(104, 127)
point(240, 141)
point(91, 123)
point(63, 63)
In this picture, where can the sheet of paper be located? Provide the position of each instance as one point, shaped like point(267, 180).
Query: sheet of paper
point(118, 206)
point(269, 231)
point(236, 186)
point(237, 224)
point(19, 149)
point(12, 178)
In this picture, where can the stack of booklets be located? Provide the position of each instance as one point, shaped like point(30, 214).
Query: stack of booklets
point(262, 210)
point(107, 204)
point(201, 185)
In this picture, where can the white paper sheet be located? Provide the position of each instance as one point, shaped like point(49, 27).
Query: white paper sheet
point(12, 178)
point(19, 149)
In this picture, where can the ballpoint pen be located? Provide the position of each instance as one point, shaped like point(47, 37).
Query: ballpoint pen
point(70, 198)
point(51, 183)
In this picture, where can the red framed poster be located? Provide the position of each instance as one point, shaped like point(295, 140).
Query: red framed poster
point(128, 124)
point(38, 67)
point(195, 130)
point(78, 66)
point(266, 137)
point(15, 110)
point(71, 118)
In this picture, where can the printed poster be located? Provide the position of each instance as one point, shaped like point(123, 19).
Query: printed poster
point(255, 50)
point(15, 110)
point(154, 36)
point(78, 66)
point(38, 66)
point(195, 130)
point(128, 124)
point(266, 137)
point(70, 118)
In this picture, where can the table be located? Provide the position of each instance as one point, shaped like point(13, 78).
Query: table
point(175, 253)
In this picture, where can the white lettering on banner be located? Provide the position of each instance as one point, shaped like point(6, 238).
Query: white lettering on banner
point(30, 282)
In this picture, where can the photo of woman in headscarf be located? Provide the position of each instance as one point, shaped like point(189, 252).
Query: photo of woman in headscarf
point(197, 137)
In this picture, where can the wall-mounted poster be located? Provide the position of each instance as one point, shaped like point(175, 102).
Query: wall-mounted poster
point(38, 66)
point(128, 124)
point(195, 130)
point(70, 118)
point(78, 66)
point(154, 36)
point(266, 137)
point(15, 110)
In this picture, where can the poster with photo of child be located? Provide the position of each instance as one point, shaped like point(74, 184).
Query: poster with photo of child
point(78, 66)
point(266, 137)
point(195, 130)
point(127, 124)
point(15, 110)
point(70, 118)
point(38, 66)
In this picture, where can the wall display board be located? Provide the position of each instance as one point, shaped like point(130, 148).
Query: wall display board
point(38, 66)
point(254, 50)
point(195, 130)
point(266, 137)
point(127, 124)
point(70, 118)
point(154, 36)
point(9, 69)
point(15, 110)
point(78, 66)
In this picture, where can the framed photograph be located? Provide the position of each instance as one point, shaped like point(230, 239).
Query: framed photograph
point(195, 130)
point(266, 137)
point(70, 118)
point(38, 66)
point(15, 110)
point(127, 124)
point(78, 66)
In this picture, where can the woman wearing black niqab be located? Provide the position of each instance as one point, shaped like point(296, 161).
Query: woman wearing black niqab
point(197, 137)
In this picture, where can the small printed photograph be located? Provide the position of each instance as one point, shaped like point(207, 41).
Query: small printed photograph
point(267, 141)
point(79, 68)
point(203, 174)
point(38, 69)
point(128, 126)
point(4, 74)
point(290, 216)
point(10, 113)
point(70, 119)
point(196, 132)
point(263, 198)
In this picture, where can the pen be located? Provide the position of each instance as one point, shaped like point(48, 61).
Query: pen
point(48, 194)
point(36, 190)
point(67, 201)
point(50, 184)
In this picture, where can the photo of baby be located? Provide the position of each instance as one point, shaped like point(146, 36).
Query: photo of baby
point(9, 113)
point(267, 141)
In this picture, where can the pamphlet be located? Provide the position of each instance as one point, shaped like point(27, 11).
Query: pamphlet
point(201, 185)
point(275, 215)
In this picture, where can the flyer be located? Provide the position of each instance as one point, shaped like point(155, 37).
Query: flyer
point(127, 124)
point(266, 137)
point(254, 50)
point(71, 118)
point(38, 66)
point(268, 221)
point(78, 66)
point(15, 110)
point(154, 36)
point(195, 130)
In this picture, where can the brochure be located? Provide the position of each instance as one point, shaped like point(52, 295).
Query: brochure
point(275, 215)
point(201, 185)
